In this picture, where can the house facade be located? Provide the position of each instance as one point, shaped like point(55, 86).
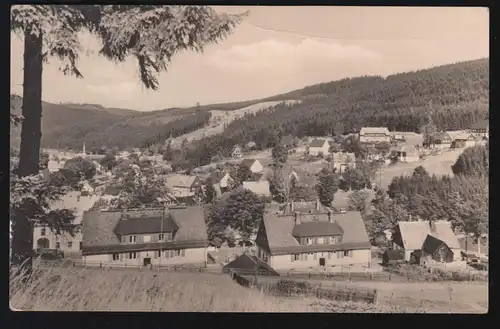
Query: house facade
point(253, 164)
point(374, 135)
point(183, 186)
point(313, 240)
point(464, 140)
point(441, 140)
point(45, 238)
point(237, 152)
point(319, 146)
point(145, 237)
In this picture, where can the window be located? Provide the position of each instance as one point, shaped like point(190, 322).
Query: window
point(347, 253)
point(58, 245)
point(169, 236)
point(315, 256)
point(295, 257)
point(167, 253)
point(70, 244)
point(132, 255)
point(157, 254)
point(42, 233)
point(116, 257)
point(132, 238)
point(161, 237)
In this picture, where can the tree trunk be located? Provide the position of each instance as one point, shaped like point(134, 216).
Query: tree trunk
point(22, 241)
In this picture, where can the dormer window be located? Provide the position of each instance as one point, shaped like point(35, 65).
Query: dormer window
point(132, 239)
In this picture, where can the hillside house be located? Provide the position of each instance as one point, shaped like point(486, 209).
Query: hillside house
point(237, 152)
point(221, 180)
point(441, 140)
point(405, 153)
point(374, 135)
point(433, 249)
point(343, 160)
point(183, 186)
point(463, 140)
point(144, 237)
point(480, 128)
point(410, 236)
point(45, 238)
point(261, 188)
point(319, 146)
point(303, 241)
point(55, 165)
point(253, 164)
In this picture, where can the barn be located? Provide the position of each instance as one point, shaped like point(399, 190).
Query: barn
point(433, 249)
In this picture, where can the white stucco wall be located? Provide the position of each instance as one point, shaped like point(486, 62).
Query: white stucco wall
point(191, 256)
point(284, 262)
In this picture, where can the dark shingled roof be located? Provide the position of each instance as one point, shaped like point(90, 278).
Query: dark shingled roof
point(393, 254)
point(247, 262)
point(432, 244)
point(312, 229)
point(146, 225)
point(317, 143)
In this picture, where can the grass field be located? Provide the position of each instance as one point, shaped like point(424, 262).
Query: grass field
point(91, 289)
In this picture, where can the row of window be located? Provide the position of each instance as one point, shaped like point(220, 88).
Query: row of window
point(330, 255)
point(321, 240)
point(157, 254)
point(147, 238)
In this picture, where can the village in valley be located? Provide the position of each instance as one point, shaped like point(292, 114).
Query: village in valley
point(353, 218)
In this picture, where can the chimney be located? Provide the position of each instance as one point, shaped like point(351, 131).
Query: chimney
point(297, 218)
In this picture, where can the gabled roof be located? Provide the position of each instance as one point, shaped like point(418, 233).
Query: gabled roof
point(444, 232)
point(259, 187)
point(374, 130)
point(180, 181)
point(463, 137)
point(431, 244)
point(317, 143)
point(147, 225)
point(281, 241)
point(442, 135)
point(247, 162)
point(481, 124)
point(413, 234)
point(236, 148)
point(252, 263)
point(99, 226)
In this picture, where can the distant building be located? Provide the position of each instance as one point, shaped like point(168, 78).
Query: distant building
point(144, 237)
point(237, 152)
point(254, 165)
point(405, 153)
point(343, 160)
point(464, 140)
point(221, 180)
point(480, 128)
point(45, 238)
point(319, 146)
point(410, 237)
point(55, 165)
point(374, 135)
point(183, 186)
point(441, 140)
point(316, 240)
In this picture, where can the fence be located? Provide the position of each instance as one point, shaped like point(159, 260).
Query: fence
point(289, 288)
point(385, 276)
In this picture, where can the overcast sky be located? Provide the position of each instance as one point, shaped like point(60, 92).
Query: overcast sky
point(276, 50)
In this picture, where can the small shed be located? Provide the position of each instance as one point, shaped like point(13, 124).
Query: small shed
point(433, 249)
point(391, 257)
point(247, 264)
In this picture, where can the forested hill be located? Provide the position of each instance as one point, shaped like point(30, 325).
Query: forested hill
point(455, 96)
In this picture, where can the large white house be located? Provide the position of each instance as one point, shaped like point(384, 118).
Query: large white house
point(144, 237)
point(313, 240)
point(375, 135)
point(319, 146)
